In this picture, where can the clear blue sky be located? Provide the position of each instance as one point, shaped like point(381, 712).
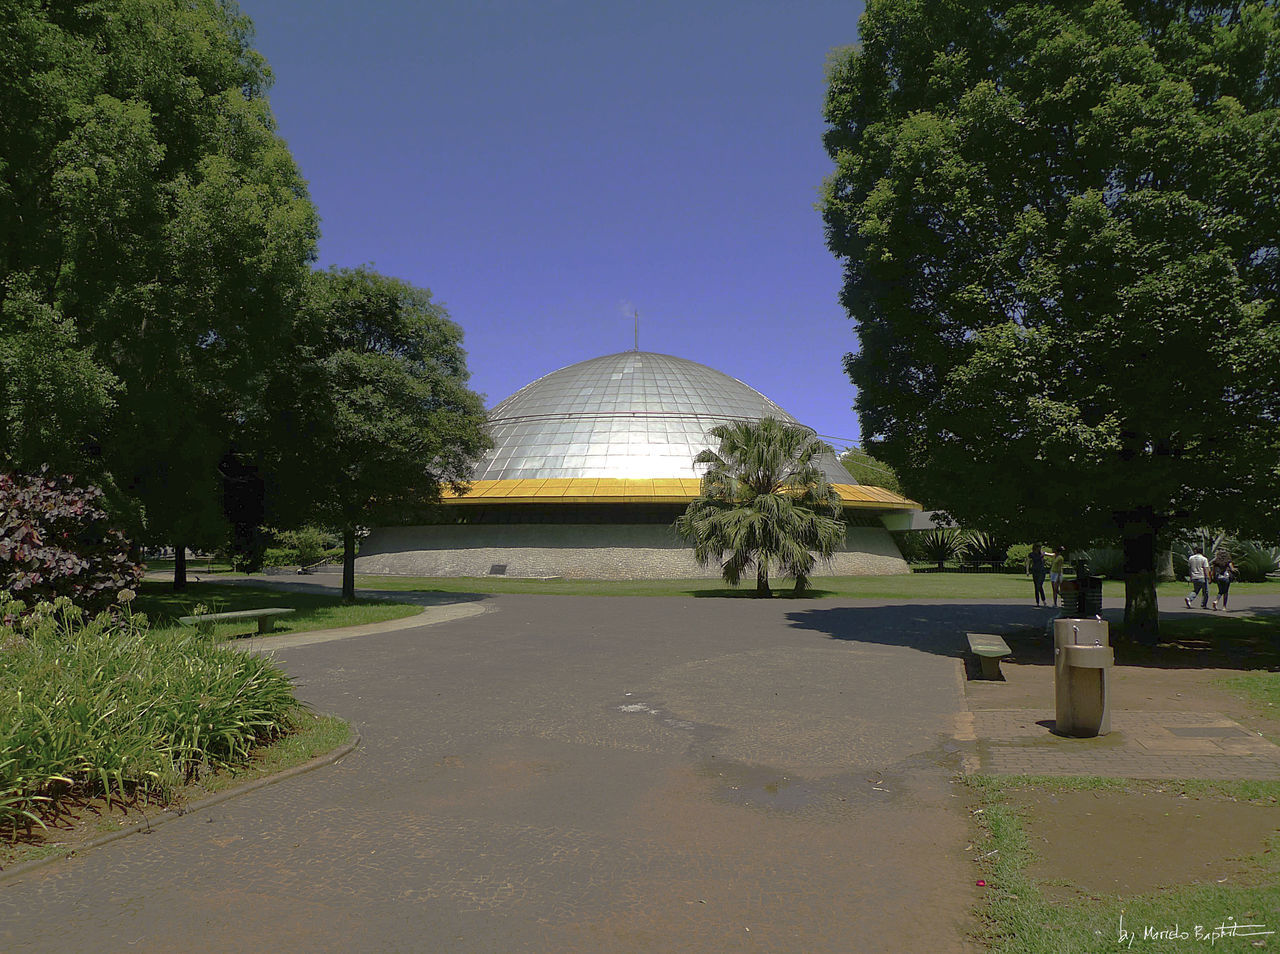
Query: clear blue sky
point(547, 167)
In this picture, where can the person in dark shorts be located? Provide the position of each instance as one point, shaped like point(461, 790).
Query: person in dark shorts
point(1038, 567)
point(1223, 572)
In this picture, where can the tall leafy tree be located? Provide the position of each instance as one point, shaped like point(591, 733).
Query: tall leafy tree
point(1060, 223)
point(866, 469)
point(382, 418)
point(152, 218)
point(764, 501)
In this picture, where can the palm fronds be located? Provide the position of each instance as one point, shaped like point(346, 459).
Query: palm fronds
point(763, 502)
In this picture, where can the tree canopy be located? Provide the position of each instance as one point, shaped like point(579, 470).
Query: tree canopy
point(866, 469)
point(381, 417)
point(155, 236)
point(763, 501)
point(1060, 225)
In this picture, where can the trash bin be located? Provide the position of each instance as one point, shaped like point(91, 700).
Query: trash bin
point(1082, 661)
point(1090, 602)
point(1082, 597)
point(1070, 593)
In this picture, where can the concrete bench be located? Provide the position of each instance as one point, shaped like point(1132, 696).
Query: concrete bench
point(266, 618)
point(989, 649)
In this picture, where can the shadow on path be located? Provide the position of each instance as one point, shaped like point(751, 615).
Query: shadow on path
point(1249, 640)
point(937, 628)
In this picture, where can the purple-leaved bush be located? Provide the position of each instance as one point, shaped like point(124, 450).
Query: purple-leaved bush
point(57, 540)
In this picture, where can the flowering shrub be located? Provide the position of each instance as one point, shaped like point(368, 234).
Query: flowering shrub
point(57, 540)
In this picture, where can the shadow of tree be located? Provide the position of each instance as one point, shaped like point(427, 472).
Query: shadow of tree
point(937, 628)
point(1245, 642)
point(749, 592)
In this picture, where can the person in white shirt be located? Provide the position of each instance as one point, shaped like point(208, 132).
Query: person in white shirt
point(1198, 570)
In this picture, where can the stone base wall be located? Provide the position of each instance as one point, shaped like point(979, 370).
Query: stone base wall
point(583, 551)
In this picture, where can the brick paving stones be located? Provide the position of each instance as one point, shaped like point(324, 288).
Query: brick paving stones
point(1147, 741)
point(1142, 744)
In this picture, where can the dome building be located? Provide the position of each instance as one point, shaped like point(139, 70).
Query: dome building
point(590, 467)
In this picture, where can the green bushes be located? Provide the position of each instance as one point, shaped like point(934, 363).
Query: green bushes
point(1104, 561)
point(940, 545)
point(108, 706)
point(1016, 561)
point(948, 544)
point(984, 548)
point(1255, 561)
point(304, 547)
point(282, 556)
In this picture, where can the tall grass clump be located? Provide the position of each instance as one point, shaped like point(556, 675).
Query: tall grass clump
point(107, 706)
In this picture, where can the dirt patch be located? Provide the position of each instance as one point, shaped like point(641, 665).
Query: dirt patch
point(1107, 843)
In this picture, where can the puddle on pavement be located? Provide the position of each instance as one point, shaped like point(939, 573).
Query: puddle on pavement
point(761, 787)
point(773, 789)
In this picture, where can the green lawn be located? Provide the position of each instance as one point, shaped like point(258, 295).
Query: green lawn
point(1260, 688)
point(313, 611)
point(201, 565)
point(904, 586)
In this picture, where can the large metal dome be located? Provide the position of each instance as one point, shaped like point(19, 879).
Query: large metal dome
point(633, 415)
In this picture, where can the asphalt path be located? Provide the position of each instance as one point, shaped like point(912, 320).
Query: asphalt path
point(586, 774)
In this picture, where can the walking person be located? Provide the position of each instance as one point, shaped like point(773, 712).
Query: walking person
point(1056, 569)
point(1223, 572)
point(1198, 571)
point(1037, 567)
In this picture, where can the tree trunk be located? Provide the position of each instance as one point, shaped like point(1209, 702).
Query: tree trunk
point(180, 566)
point(1141, 613)
point(762, 578)
point(349, 564)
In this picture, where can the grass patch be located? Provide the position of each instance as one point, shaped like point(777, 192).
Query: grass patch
point(1018, 918)
point(1234, 640)
point(312, 611)
point(312, 735)
point(902, 586)
point(1261, 689)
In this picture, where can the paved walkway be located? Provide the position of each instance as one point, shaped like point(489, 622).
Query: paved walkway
point(570, 774)
point(1164, 723)
point(574, 774)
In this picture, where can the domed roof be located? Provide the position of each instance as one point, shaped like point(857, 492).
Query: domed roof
point(630, 415)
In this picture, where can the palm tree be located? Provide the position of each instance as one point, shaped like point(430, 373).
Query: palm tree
point(763, 500)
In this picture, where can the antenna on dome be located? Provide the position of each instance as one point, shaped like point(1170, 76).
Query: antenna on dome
point(636, 314)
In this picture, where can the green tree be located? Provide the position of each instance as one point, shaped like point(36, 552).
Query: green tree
point(55, 398)
point(865, 469)
point(763, 500)
point(382, 417)
point(152, 219)
point(1059, 223)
